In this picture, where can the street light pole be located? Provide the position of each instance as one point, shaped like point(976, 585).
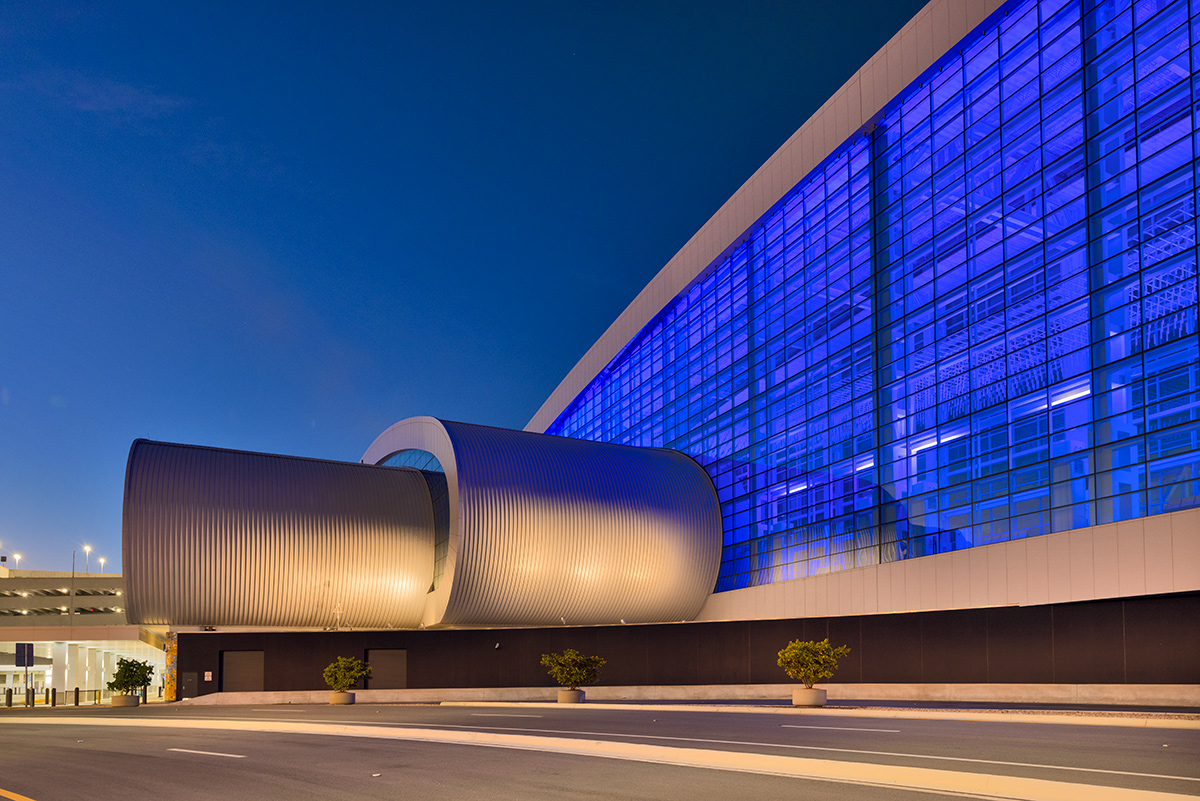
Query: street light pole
point(72, 582)
point(102, 561)
point(87, 559)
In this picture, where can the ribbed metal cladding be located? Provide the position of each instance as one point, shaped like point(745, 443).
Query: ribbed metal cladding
point(229, 538)
point(545, 529)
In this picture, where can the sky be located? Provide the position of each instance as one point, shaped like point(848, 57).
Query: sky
point(282, 227)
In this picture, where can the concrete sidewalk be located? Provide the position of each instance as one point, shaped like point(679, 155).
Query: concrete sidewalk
point(1180, 698)
point(1168, 706)
point(1183, 718)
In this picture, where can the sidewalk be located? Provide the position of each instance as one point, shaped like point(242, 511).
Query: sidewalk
point(1169, 698)
point(1090, 715)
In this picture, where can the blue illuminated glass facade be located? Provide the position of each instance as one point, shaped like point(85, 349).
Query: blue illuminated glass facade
point(976, 323)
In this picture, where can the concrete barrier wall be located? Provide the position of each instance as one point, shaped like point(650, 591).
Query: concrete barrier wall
point(1165, 695)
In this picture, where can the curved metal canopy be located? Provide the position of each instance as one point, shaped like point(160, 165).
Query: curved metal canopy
point(228, 538)
point(531, 530)
point(547, 529)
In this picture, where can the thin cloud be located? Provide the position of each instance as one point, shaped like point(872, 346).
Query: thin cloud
point(101, 96)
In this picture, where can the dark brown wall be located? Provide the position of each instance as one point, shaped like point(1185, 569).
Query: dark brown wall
point(1148, 640)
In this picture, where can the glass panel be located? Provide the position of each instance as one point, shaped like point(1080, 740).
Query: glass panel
point(976, 324)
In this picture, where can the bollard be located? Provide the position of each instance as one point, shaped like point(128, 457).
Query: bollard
point(8, 697)
point(29, 696)
point(76, 696)
point(54, 697)
point(47, 701)
point(144, 691)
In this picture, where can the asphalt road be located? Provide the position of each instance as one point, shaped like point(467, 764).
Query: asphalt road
point(47, 755)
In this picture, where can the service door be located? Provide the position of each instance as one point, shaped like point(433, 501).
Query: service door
point(241, 672)
point(389, 669)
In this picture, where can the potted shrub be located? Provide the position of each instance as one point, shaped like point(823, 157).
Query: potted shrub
point(130, 676)
point(810, 662)
point(572, 669)
point(344, 674)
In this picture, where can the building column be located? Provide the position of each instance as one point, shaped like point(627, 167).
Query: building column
point(74, 674)
point(110, 667)
point(93, 667)
point(58, 666)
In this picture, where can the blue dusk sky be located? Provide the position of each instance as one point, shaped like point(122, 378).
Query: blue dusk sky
point(282, 227)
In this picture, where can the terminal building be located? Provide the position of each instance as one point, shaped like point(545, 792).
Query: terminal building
point(928, 384)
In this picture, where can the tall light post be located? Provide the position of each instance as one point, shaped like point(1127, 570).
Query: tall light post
point(17, 559)
point(102, 561)
point(87, 559)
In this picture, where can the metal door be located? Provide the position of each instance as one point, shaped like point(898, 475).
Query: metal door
point(389, 669)
point(241, 671)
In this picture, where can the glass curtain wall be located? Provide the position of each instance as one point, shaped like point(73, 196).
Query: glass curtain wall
point(975, 323)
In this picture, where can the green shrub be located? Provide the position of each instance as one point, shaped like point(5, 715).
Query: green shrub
point(810, 662)
point(572, 669)
point(130, 676)
point(345, 673)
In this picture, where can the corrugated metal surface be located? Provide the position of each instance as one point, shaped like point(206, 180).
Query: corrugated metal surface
point(229, 538)
point(548, 528)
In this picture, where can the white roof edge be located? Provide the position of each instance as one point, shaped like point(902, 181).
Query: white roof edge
point(932, 33)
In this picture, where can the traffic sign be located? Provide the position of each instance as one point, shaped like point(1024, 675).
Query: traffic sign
point(24, 654)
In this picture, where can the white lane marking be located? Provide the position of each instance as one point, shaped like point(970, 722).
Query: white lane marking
point(818, 748)
point(207, 753)
point(498, 715)
point(836, 728)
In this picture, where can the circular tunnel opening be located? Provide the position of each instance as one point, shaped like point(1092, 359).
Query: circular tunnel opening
point(439, 492)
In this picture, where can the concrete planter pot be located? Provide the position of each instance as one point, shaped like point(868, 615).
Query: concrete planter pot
point(125, 700)
point(804, 696)
point(570, 696)
point(341, 698)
